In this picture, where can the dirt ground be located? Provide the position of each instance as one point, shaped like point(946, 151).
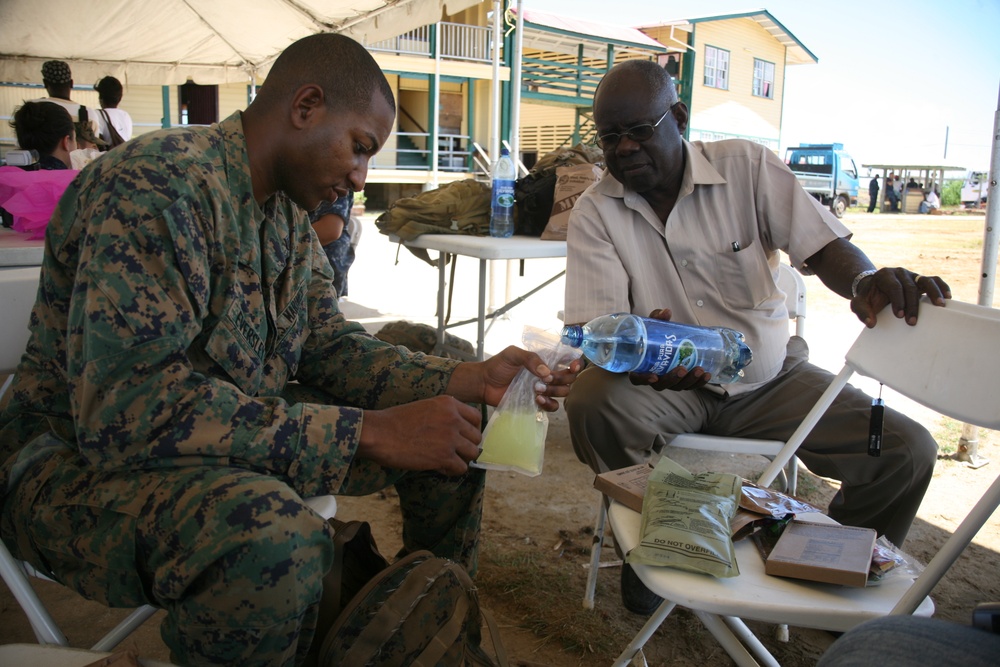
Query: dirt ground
point(537, 531)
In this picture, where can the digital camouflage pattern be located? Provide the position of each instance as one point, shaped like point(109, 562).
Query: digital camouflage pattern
point(178, 398)
point(421, 610)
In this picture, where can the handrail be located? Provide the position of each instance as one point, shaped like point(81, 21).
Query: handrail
point(451, 41)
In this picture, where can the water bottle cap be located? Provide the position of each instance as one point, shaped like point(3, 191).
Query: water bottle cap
point(746, 355)
point(504, 151)
point(572, 335)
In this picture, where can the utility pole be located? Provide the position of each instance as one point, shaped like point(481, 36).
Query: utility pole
point(968, 444)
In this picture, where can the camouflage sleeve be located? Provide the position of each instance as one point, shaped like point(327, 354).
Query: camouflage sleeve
point(348, 363)
point(341, 207)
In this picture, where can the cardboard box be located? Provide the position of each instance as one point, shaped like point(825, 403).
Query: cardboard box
point(626, 485)
point(571, 181)
point(828, 553)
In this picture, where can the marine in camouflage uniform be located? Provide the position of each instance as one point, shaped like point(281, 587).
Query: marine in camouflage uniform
point(156, 449)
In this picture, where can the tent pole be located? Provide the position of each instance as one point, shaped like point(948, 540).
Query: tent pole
point(495, 120)
point(968, 444)
point(515, 90)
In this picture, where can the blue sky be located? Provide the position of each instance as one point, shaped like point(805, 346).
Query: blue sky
point(892, 78)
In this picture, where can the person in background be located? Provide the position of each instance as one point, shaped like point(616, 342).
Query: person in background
point(931, 202)
point(332, 223)
point(873, 193)
point(89, 146)
point(48, 129)
point(109, 91)
point(58, 81)
point(897, 193)
point(693, 231)
point(190, 379)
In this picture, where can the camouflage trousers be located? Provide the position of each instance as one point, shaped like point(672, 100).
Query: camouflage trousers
point(234, 556)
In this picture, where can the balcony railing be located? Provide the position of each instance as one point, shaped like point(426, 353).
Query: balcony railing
point(454, 41)
point(408, 151)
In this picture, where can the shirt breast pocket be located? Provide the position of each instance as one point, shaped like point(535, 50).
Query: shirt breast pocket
point(237, 348)
point(744, 277)
point(292, 330)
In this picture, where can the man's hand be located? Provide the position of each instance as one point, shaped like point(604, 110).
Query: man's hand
point(440, 433)
point(678, 379)
point(444, 433)
point(900, 288)
point(499, 371)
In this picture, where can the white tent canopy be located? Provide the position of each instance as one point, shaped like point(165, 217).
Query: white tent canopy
point(167, 42)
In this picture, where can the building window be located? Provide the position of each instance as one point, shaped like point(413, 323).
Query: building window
point(763, 79)
point(716, 68)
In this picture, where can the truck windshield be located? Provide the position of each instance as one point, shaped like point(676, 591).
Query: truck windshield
point(813, 163)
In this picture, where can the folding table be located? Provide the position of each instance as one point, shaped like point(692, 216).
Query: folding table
point(16, 249)
point(484, 248)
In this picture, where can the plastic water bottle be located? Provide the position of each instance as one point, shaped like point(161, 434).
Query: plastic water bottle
point(502, 203)
point(623, 342)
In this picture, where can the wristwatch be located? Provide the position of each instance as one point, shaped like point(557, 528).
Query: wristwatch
point(858, 278)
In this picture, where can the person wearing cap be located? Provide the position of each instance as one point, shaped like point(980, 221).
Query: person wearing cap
point(58, 80)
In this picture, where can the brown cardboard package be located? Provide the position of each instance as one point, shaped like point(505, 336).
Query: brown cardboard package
point(626, 485)
point(570, 183)
point(824, 552)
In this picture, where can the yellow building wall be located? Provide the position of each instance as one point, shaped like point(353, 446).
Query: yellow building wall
point(736, 111)
point(544, 128)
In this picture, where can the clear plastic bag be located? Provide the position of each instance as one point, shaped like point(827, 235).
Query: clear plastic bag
point(514, 438)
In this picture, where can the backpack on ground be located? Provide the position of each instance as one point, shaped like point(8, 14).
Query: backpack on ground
point(422, 610)
point(418, 337)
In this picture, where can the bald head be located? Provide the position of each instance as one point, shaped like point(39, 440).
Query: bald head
point(343, 68)
point(646, 73)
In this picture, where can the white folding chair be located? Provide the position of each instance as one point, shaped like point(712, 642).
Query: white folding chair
point(791, 283)
point(18, 288)
point(929, 363)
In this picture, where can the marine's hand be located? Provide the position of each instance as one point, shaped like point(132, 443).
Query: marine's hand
point(500, 370)
point(440, 433)
point(900, 288)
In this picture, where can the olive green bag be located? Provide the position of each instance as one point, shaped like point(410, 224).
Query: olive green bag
point(422, 610)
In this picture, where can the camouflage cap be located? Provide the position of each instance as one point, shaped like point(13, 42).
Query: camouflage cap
point(57, 72)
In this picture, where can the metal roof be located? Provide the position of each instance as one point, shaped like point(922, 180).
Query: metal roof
point(561, 34)
point(798, 54)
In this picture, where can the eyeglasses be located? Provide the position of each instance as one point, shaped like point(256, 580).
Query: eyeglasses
point(639, 133)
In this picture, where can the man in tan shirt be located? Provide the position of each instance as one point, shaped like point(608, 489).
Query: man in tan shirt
point(692, 232)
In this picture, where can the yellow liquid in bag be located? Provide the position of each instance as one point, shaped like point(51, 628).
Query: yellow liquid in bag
point(515, 440)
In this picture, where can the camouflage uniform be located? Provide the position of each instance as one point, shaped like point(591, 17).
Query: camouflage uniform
point(340, 251)
point(156, 449)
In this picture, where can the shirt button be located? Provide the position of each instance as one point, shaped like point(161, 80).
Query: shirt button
point(700, 303)
point(684, 262)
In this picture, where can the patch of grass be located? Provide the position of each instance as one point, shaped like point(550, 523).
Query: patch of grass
point(948, 435)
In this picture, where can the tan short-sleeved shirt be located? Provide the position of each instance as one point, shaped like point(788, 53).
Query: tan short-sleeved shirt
point(622, 258)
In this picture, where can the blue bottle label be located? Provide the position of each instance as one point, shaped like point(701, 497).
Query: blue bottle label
point(670, 353)
point(503, 193)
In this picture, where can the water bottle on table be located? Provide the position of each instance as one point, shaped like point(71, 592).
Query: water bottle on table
point(502, 202)
point(623, 343)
